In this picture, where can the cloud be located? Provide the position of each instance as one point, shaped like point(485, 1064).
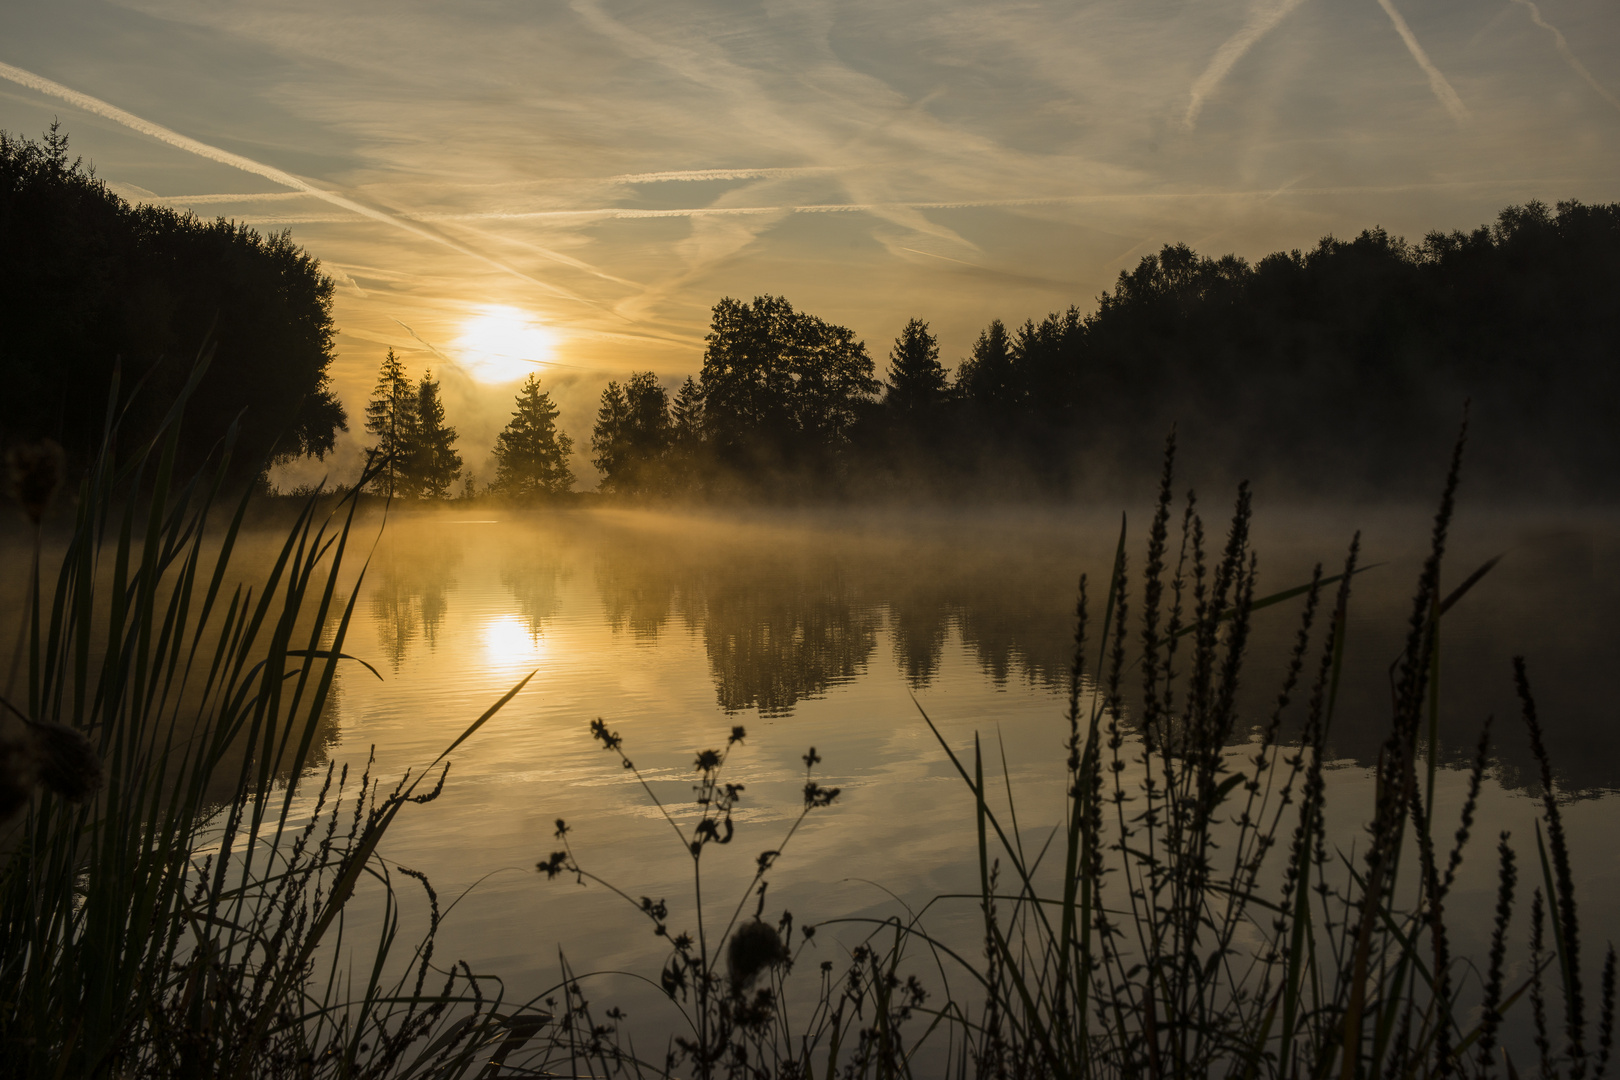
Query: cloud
point(1437, 82)
point(1259, 23)
point(1569, 57)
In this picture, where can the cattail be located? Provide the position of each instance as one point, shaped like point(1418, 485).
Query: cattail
point(68, 764)
point(754, 946)
point(33, 473)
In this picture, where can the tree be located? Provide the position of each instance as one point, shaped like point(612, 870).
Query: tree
point(986, 376)
point(916, 377)
point(780, 386)
point(391, 419)
point(89, 281)
point(632, 435)
point(686, 435)
point(531, 454)
point(435, 465)
point(686, 414)
point(608, 441)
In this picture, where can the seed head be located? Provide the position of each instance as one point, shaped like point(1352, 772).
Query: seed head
point(754, 946)
point(68, 764)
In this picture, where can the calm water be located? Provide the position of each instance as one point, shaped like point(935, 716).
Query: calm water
point(833, 633)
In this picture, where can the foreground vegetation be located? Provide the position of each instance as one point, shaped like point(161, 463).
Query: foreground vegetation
point(172, 898)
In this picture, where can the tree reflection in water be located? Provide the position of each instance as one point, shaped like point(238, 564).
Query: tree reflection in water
point(408, 581)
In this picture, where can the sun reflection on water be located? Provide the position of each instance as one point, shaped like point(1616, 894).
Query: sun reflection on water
point(508, 641)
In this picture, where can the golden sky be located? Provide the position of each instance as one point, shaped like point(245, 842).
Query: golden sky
point(568, 187)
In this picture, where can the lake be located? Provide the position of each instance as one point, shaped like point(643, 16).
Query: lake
point(838, 629)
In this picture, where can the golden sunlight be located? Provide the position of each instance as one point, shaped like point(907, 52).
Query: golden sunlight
point(502, 344)
point(508, 641)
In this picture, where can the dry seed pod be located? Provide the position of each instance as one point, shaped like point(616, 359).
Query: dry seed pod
point(754, 946)
point(68, 764)
point(33, 473)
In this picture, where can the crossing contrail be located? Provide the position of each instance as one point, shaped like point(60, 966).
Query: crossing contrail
point(97, 107)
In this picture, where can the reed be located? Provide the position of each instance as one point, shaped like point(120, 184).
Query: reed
point(178, 863)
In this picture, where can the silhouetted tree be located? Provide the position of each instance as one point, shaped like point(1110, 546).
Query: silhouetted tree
point(391, 419)
point(780, 387)
point(434, 462)
point(608, 439)
point(632, 435)
point(686, 435)
point(87, 280)
point(916, 378)
point(985, 378)
point(531, 454)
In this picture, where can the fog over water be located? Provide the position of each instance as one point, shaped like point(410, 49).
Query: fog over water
point(833, 630)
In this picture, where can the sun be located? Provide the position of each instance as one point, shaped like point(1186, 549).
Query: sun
point(503, 344)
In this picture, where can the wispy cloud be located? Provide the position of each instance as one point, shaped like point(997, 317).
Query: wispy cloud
point(1261, 21)
point(1437, 82)
point(1569, 57)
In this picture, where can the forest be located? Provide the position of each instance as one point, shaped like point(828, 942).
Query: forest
point(1331, 369)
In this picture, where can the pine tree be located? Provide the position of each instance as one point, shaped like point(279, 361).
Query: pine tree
point(916, 377)
point(435, 465)
point(686, 415)
point(610, 437)
point(986, 376)
point(391, 419)
point(531, 454)
point(686, 435)
point(632, 435)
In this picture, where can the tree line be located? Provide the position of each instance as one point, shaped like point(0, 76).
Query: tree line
point(1344, 368)
point(90, 284)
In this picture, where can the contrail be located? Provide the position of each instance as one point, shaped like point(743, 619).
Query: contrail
point(97, 107)
point(1259, 24)
point(722, 174)
point(1437, 82)
point(1569, 57)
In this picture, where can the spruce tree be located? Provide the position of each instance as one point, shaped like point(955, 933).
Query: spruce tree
point(531, 454)
point(686, 434)
point(609, 438)
point(986, 376)
point(632, 435)
point(686, 414)
point(391, 420)
point(435, 464)
point(916, 377)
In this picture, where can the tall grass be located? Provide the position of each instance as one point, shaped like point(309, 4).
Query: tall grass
point(1190, 917)
point(172, 895)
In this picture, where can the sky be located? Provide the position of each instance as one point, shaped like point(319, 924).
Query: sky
point(568, 186)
